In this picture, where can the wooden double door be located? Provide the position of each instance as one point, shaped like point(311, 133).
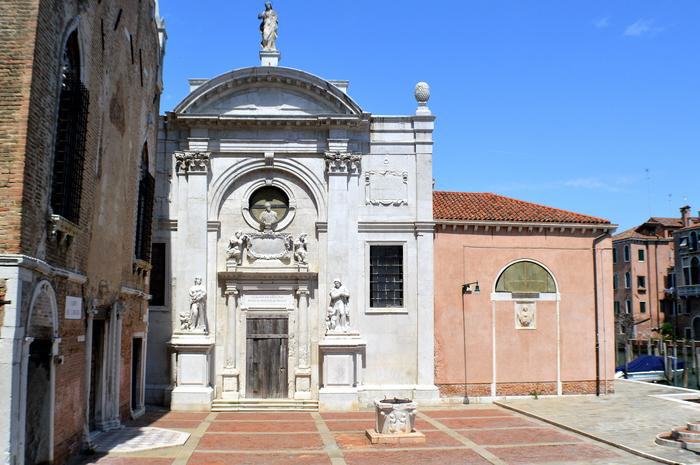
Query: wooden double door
point(267, 353)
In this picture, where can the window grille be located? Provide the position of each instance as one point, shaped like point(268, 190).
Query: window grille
point(71, 130)
point(525, 277)
point(69, 153)
point(386, 276)
point(142, 250)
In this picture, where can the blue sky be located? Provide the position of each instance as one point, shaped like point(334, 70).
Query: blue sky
point(585, 105)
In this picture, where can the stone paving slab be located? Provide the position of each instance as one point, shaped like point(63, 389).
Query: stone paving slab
point(630, 419)
point(138, 439)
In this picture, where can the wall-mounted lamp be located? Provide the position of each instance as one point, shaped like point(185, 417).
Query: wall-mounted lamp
point(468, 289)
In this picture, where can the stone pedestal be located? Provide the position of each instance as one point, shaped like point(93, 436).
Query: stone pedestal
point(192, 357)
point(270, 58)
point(342, 361)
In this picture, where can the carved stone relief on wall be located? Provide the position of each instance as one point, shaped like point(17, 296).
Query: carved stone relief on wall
point(525, 315)
point(386, 188)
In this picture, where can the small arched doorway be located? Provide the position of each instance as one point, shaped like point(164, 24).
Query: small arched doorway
point(38, 389)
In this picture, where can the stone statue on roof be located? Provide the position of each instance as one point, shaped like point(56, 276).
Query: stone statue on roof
point(269, 28)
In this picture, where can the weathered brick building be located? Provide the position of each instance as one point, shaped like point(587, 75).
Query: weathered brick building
point(80, 84)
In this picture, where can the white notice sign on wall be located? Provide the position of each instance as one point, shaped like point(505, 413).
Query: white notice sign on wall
point(74, 308)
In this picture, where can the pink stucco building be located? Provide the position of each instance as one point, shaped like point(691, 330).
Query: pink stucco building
point(643, 262)
point(542, 322)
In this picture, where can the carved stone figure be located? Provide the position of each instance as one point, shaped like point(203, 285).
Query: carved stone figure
point(301, 250)
point(526, 315)
point(196, 319)
point(185, 321)
point(269, 217)
point(269, 28)
point(338, 315)
point(236, 245)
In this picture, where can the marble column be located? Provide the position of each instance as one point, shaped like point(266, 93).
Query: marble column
point(303, 371)
point(230, 377)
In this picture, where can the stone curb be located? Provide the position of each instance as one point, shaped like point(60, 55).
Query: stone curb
point(592, 436)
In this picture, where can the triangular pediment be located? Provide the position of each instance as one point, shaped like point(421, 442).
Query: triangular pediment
point(268, 92)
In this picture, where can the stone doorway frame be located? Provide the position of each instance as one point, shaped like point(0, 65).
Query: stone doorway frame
point(43, 287)
point(238, 286)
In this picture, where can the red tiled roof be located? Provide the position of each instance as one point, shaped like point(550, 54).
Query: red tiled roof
point(633, 233)
point(669, 222)
point(483, 206)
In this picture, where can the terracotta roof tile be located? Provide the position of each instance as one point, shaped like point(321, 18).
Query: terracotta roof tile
point(670, 222)
point(483, 206)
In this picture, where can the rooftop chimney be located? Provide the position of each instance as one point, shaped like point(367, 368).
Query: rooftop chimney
point(685, 216)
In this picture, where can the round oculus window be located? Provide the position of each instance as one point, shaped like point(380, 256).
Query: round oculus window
point(269, 205)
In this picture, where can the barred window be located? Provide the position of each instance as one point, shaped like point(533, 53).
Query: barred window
point(144, 210)
point(386, 276)
point(71, 127)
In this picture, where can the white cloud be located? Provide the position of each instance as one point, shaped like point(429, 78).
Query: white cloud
point(642, 27)
point(602, 23)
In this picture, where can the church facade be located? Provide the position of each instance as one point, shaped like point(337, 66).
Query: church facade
point(292, 224)
point(302, 260)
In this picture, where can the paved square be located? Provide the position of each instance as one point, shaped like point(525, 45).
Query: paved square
point(458, 435)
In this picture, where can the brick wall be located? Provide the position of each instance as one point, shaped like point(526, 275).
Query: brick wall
point(122, 117)
point(17, 30)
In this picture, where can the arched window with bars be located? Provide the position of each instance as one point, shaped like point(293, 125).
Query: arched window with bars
point(144, 209)
point(69, 139)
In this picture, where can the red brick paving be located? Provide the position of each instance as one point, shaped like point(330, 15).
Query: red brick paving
point(348, 416)
point(199, 458)
point(260, 416)
point(359, 441)
point(262, 427)
point(500, 437)
point(418, 457)
point(292, 438)
point(253, 441)
point(532, 455)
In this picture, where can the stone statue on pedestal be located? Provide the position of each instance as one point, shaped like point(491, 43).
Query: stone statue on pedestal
point(196, 319)
point(269, 28)
point(235, 248)
point(338, 315)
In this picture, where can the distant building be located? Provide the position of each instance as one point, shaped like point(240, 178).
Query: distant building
point(543, 320)
point(79, 96)
point(643, 262)
point(686, 317)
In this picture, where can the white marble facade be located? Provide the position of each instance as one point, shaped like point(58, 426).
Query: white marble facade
point(349, 180)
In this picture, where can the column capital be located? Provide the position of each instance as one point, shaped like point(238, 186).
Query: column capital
point(343, 163)
point(232, 290)
point(191, 162)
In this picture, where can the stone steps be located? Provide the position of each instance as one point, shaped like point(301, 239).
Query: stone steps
point(682, 438)
point(264, 405)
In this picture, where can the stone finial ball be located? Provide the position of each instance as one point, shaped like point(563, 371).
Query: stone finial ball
point(422, 92)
